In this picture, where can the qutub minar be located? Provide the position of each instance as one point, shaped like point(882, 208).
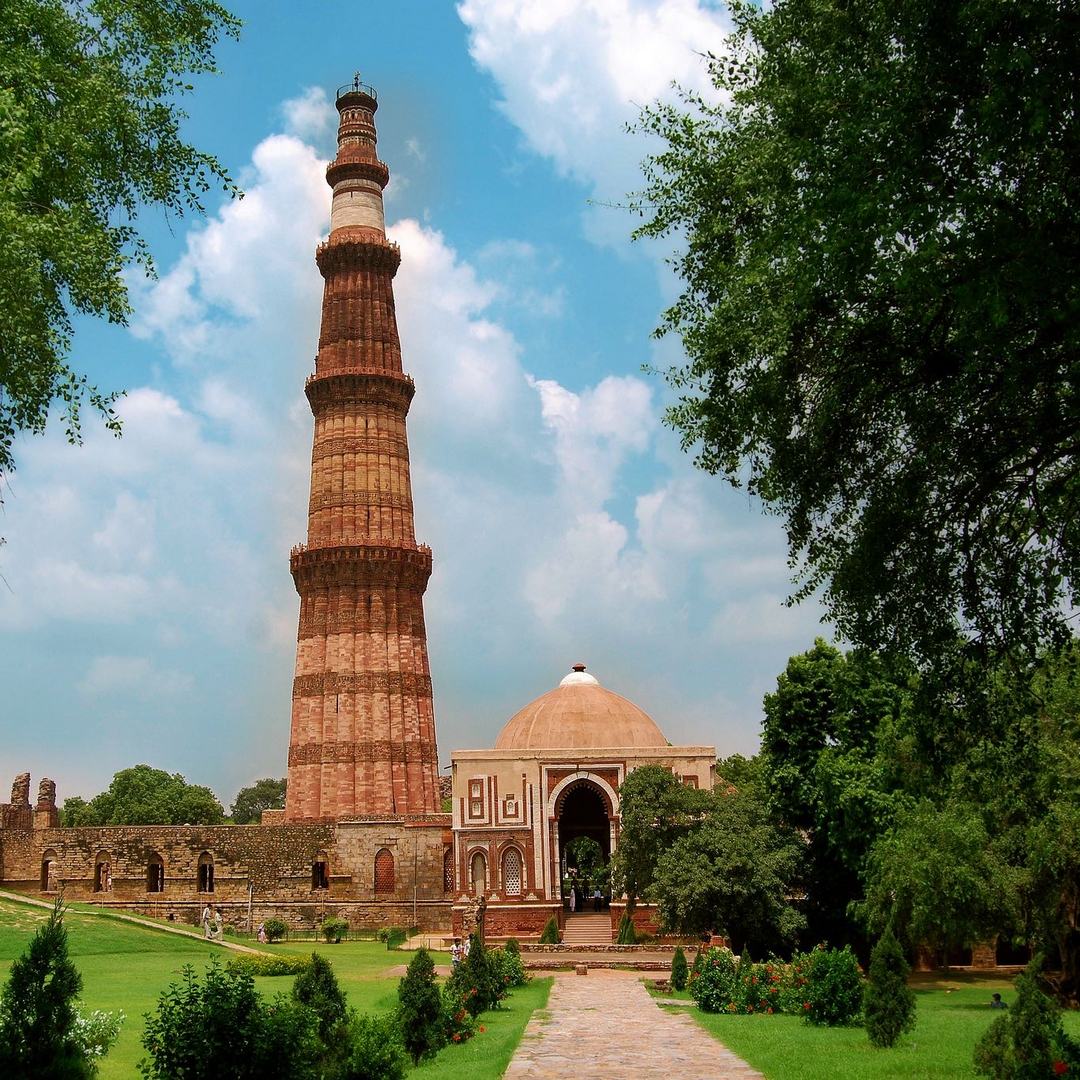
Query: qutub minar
point(363, 724)
point(363, 834)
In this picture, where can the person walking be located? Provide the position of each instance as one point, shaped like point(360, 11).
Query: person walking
point(597, 898)
point(207, 915)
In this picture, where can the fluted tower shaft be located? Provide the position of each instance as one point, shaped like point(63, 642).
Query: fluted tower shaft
point(363, 724)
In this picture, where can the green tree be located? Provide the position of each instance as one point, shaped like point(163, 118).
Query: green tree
point(317, 989)
point(733, 871)
point(655, 808)
point(837, 759)
point(420, 1010)
point(881, 217)
point(935, 877)
point(587, 857)
point(89, 134)
point(888, 1002)
point(143, 795)
point(37, 1010)
point(250, 802)
point(1026, 1042)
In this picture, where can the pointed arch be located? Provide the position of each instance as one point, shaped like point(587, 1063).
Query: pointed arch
point(155, 873)
point(384, 871)
point(206, 872)
point(478, 873)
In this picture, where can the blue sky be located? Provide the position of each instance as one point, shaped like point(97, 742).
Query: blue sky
point(149, 614)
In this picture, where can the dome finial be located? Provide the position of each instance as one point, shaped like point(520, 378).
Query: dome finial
point(579, 677)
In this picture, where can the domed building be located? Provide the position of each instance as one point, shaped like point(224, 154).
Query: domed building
point(553, 776)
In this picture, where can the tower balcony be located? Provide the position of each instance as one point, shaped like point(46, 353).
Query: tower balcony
point(359, 562)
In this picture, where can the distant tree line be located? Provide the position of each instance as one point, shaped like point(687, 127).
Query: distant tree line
point(882, 799)
point(143, 795)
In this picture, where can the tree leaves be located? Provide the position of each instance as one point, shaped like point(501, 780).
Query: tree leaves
point(90, 135)
point(882, 223)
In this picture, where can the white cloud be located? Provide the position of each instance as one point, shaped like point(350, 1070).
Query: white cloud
point(310, 115)
point(595, 432)
point(574, 73)
point(250, 267)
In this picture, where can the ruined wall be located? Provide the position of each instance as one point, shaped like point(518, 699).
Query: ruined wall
point(258, 871)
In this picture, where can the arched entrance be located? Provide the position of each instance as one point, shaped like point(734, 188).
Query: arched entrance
point(583, 836)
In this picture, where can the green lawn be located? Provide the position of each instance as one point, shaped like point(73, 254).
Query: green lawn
point(486, 1056)
point(952, 1014)
point(126, 967)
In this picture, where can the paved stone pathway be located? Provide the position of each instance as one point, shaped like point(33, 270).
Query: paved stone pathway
point(605, 1026)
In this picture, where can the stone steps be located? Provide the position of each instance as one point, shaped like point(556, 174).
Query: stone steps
point(587, 929)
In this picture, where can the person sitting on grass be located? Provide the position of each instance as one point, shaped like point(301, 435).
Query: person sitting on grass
point(997, 1003)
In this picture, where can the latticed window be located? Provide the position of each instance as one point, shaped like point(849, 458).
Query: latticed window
point(384, 871)
point(512, 872)
point(448, 870)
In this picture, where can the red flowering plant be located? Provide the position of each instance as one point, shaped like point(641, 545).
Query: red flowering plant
point(460, 1024)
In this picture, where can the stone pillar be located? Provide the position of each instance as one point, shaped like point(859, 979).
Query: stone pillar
point(363, 722)
point(46, 815)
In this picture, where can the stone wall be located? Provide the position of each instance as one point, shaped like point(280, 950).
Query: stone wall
point(646, 918)
point(522, 920)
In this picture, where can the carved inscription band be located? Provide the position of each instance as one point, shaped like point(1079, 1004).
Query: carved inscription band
point(378, 682)
point(329, 445)
point(366, 750)
point(330, 499)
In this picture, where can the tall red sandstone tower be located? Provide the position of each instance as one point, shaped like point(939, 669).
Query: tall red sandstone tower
point(363, 724)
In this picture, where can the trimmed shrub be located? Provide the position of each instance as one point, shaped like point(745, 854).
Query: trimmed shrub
point(834, 988)
point(510, 966)
point(376, 1051)
point(420, 1008)
point(252, 964)
point(888, 1003)
point(1028, 1042)
point(550, 935)
point(679, 971)
point(393, 936)
point(275, 929)
point(333, 930)
point(478, 979)
point(38, 1018)
point(198, 1024)
point(714, 984)
point(317, 988)
point(626, 935)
